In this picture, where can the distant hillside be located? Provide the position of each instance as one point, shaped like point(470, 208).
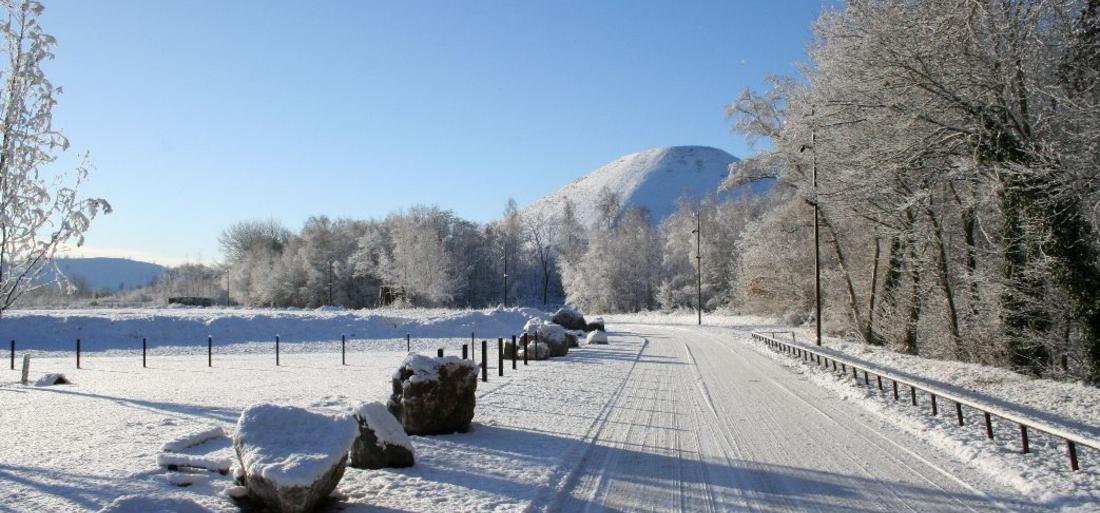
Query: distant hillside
point(653, 179)
point(110, 273)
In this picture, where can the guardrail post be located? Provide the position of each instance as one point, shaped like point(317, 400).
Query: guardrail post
point(935, 407)
point(866, 378)
point(1071, 448)
point(895, 390)
point(959, 413)
point(913, 394)
point(988, 425)
point(1023, 439)
point(834, 365)
point(879, 378)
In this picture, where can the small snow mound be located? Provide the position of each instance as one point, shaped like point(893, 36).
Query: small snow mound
point(291, 446)
point(52, 379)
point(197, 436)
point(386, 427)
point(597, 337)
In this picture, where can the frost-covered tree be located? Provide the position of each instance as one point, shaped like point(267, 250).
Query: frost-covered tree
point(38, 215)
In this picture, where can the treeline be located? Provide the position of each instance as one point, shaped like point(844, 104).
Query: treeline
point(955, 146)
point(426, 256)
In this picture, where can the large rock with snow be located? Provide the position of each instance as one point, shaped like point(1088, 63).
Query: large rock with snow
point(382, 442)
point(554, 337)
point(596, 325)
point(597, 337)
point(532, 326)
point(434, 395)
point(573, 337)
point(569, 319)
point(292, 458)
point(535, 351)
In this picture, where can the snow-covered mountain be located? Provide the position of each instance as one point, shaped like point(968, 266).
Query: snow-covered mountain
point(654, 179)
point(109, 273)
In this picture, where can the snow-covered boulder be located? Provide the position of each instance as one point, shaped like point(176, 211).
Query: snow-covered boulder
point(597, 337)
point(574, 337)
point(434, 395)
point(554, 337)
point(535, 351)
point(532, 326)
point(51, 380)
point(292, 458)
point(596, 325)
point(382, 441)
point(569, 318)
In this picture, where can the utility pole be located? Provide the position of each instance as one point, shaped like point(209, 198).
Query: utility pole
point(505, 272)
point(817, 235)
point(698, 265)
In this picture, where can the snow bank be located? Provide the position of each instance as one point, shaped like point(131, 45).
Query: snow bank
point(167, 503)
point(385, 425)
point(107, 329)
point(290, 446)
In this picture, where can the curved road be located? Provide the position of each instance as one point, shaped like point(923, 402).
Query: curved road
point(704, 423)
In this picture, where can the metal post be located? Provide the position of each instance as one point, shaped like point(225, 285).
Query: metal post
point(484, 363)
point(276, 350)
point(465, 350)
point(78, 353)
point(879, 378)
point(12, 355)
point(506, 272)
point(913, 394)
point(959, 413)
point(439, 353)
point(1023, 439)
point(210, 350)
point(144, 350)
point(988, 425)
point(935, 407)
point(895, 390)
point(525, 349)
point(515, 349)
point(343, 350)
point(473, 347)
point(408, 343)
point(500, 356)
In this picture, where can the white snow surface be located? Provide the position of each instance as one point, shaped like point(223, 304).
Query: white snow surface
point(653, 179)
point(199, 435)
point(175, 330)
point(692, 419)
point(385, 426)
point(291, 446)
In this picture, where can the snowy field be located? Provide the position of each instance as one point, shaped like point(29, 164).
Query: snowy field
point(594, 430)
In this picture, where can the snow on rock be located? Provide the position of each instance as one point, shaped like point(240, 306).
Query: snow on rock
point(197, 436)
point(569, 318)
point(434, 395)
point(292, 458)
point(52, 379)
point(596, 324)
point(597, 337)
point(532, 325)
point(554, 336)
point(535, 351)
point(382, 441)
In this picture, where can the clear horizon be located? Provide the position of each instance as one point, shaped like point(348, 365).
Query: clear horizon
point(202, 114)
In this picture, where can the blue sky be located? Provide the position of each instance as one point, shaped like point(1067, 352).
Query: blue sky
point(200, 114)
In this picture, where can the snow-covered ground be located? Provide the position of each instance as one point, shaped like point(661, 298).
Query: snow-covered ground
point(667, 417)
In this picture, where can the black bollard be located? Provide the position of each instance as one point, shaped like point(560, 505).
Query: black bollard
point(144, 350)
point(408, 343)
point(276, 350)
point(78, 353)
point(210, 350)
point(464, 351)
point(440, 353)
point(515, 349)
point(525, 349)
point(500, 356)
point(343, 350)
point(484, 363)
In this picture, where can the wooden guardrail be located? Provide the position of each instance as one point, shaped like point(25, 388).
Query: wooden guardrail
point(844, 366)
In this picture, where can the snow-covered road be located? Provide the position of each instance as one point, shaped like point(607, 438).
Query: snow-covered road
point(706, 423)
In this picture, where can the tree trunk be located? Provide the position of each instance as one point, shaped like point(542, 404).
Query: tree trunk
point(945, 283)
point(842, 261)
point(869, 328)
